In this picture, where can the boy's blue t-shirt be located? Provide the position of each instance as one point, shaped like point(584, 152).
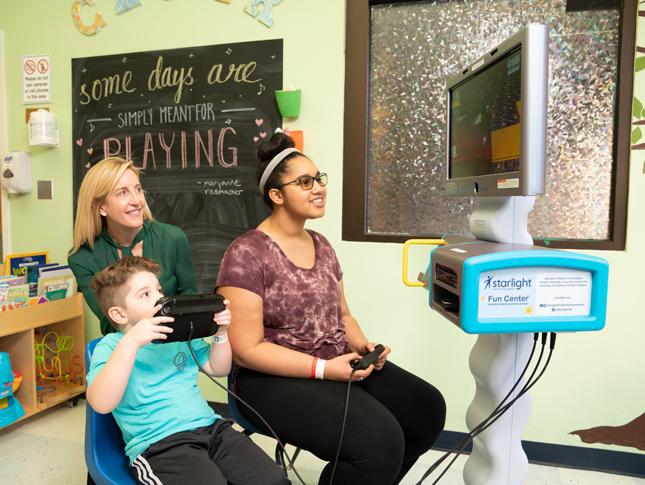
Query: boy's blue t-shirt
point(162, 396)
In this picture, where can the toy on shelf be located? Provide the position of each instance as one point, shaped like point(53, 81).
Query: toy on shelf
point(10, 408)
point(17, 380)
point(52, 354)
point(42, 390)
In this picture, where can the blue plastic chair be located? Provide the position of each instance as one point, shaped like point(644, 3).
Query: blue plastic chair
point(106, 461)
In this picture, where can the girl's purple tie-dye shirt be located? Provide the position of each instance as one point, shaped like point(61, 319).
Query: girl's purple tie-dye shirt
point(301, 306)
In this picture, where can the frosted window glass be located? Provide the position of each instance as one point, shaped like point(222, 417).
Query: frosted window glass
point(414, 47)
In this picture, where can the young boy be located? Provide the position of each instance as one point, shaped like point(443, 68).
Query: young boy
point(171, 434)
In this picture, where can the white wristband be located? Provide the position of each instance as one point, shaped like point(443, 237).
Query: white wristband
point(220, 339)
point(320, 369)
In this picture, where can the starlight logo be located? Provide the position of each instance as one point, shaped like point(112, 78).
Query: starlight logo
point(487, 282)
point(509, 283)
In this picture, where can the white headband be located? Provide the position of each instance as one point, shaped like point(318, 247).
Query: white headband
point(273, 164)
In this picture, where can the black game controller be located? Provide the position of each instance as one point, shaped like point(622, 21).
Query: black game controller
point(187, 309)
point(369, 359)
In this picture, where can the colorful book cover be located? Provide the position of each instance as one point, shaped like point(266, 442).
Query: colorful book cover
point(13, 280)
point(15, 297)
point(26, 264)
point(56, 285)
point(4, 290)
point(56, 291)
point(30, 269)
point(8, 282)
point(13, 260)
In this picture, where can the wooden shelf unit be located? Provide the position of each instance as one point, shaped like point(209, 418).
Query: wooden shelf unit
point(17, 337)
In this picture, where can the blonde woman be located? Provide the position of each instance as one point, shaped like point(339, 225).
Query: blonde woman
point(113, 220)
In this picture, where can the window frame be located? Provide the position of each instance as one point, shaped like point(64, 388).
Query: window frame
point(356, 132)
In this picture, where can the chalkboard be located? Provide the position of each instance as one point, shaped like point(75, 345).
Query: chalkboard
point(191, 119)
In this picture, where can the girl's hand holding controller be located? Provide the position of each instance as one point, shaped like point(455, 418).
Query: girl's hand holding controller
point(340, 368)
point(149, 329)
point(378, 365)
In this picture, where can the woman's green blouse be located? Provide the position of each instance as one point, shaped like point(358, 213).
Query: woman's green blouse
point(166, 244)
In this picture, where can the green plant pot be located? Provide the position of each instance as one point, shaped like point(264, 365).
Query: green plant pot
point(288, 103)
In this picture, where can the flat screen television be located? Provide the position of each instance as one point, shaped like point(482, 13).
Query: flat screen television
point(496, 123)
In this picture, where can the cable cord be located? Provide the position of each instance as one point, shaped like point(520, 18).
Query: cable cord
point(282, 447)
point(342, 429)
point(527, 387)
point(499, 412)
point(466, 439)
point(524, 390)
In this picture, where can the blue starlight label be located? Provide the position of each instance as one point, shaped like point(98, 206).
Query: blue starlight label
point(534, 292)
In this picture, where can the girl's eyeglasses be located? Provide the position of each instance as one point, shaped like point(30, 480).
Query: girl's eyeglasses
point(306, 182)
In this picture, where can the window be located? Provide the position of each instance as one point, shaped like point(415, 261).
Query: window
point(398, 56)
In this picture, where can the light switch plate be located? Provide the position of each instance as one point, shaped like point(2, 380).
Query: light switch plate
point(45, 189)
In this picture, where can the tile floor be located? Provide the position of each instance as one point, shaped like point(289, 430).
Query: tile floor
point(47, 449)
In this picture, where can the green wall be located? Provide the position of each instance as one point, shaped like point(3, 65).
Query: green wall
point(594, 379)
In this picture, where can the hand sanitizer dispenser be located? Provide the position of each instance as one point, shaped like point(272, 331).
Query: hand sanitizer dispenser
point(15, 172)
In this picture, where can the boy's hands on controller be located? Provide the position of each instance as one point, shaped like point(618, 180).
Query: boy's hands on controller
point(223, 319)
point(149, 329)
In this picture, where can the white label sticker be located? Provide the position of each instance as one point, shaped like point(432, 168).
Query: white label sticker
point(562, 292)
point(508, 183)
point(534, 292)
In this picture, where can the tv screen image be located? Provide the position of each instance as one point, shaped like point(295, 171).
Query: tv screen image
point(485, 129)
point(496, 137)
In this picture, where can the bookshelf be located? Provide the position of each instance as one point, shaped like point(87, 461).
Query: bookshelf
point(18, 332)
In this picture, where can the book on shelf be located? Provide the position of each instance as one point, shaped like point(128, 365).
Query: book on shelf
point(26, 264)
point(54, 269)
point(12, 280)
point(12, 297)
point(56, 284)
point(47, 266)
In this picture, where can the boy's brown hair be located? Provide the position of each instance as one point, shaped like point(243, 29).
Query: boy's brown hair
point(111, 283)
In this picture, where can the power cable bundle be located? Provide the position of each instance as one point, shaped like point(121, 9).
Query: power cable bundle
point(501, 408)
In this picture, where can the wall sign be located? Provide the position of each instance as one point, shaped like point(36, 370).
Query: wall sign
point(36, 80)
point(191, 119)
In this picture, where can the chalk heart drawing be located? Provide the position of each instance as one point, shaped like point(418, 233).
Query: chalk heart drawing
point(259, 122)
point(263, 134)
point(90, 150)
point(255, 139)
point(79, 142)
